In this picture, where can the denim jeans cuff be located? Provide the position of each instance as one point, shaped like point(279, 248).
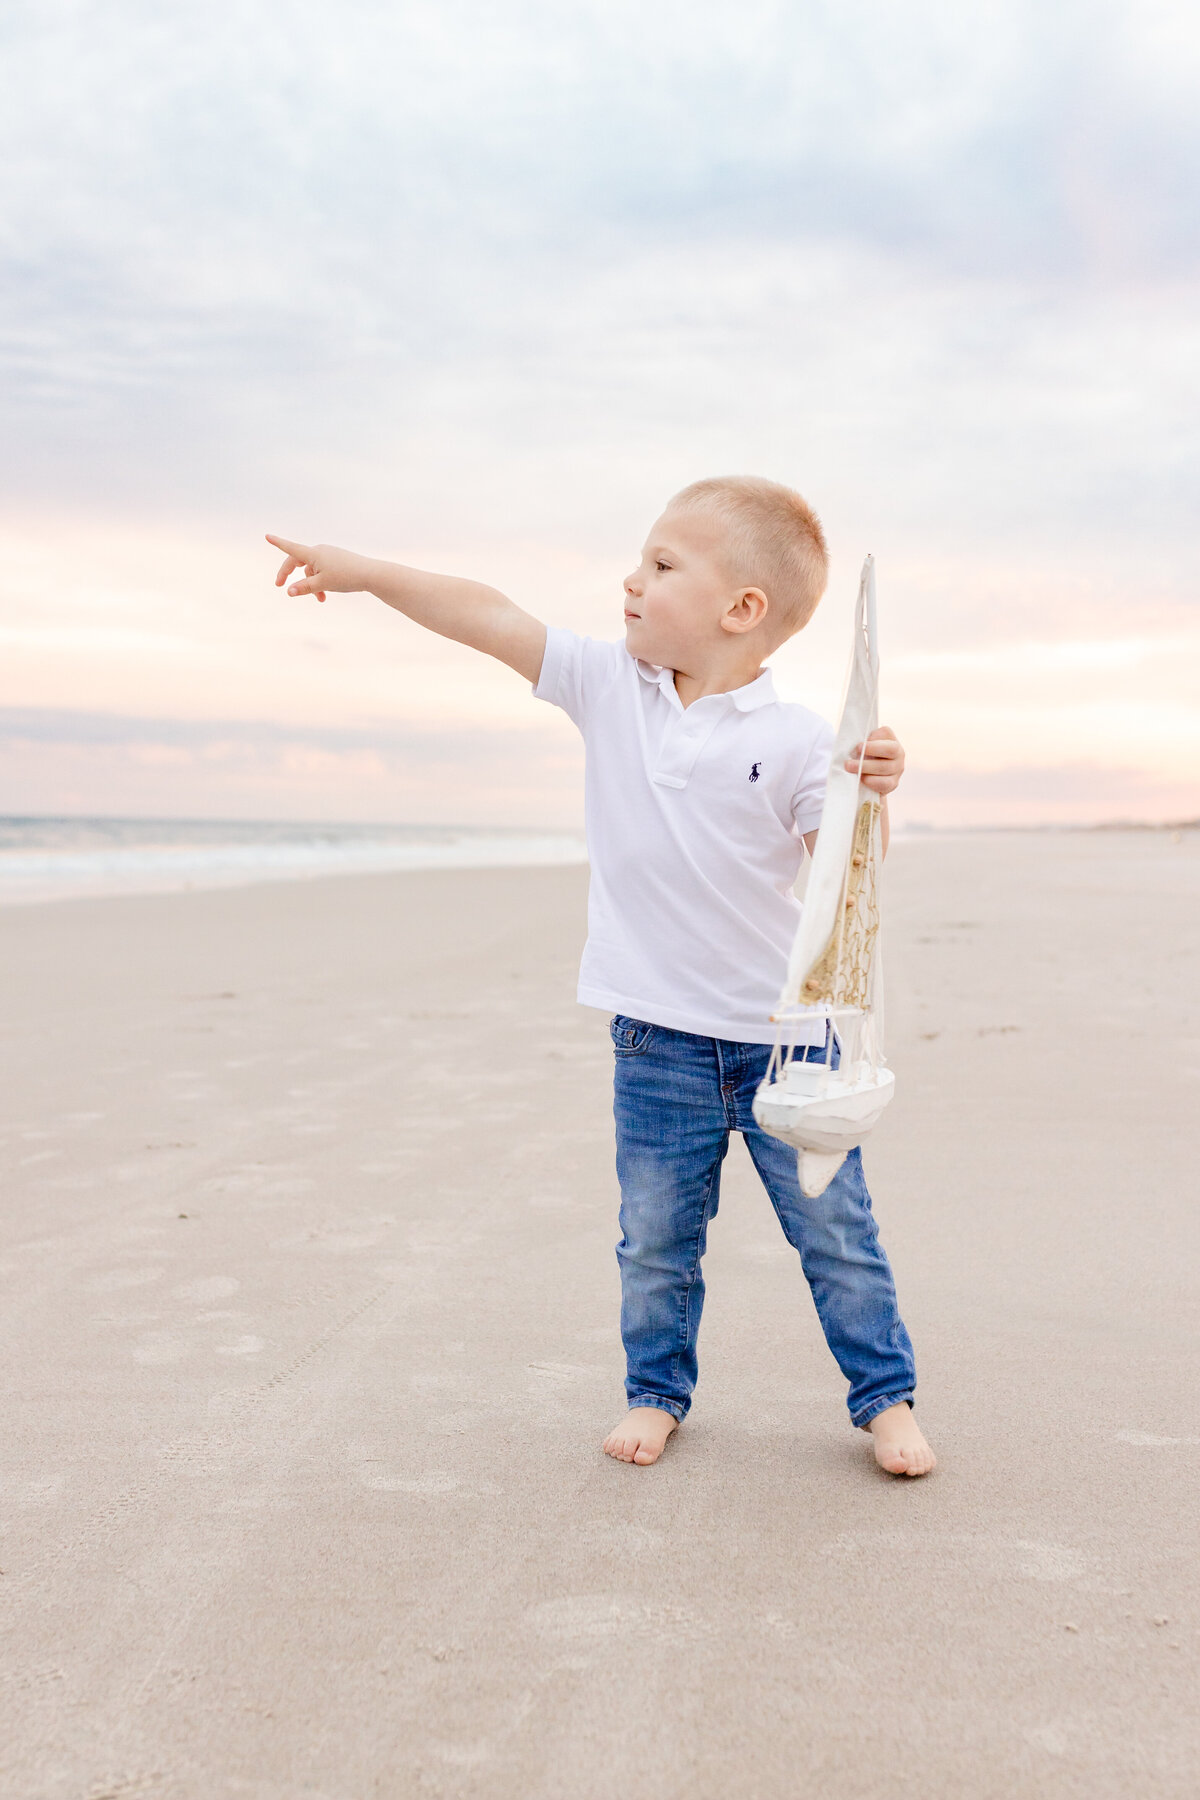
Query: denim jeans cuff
point(673, 1407)
point(866, 1413)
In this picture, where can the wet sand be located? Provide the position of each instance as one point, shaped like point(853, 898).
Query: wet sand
point(310, 1340)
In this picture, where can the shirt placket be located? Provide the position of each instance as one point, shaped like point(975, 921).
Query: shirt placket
point(683, 738)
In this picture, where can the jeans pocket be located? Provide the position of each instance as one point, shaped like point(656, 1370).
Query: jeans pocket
point(630, 1036)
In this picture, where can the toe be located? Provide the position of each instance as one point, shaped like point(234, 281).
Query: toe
point(635, 1442)
point(910, 1455)
point(921, 1460)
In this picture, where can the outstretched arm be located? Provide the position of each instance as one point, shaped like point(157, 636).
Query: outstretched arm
point(466, 611)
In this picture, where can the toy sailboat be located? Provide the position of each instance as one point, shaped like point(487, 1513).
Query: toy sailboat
point(823, 1110)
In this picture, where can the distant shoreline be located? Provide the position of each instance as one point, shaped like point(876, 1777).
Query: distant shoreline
point(917, 827)
point(45, 859)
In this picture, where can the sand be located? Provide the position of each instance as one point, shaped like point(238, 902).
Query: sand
point(309, 1344)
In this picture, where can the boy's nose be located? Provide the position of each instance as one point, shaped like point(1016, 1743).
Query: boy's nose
point(633, 587)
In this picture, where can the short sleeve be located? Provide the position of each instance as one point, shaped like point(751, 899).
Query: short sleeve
point(808, 799)
point(577, 671)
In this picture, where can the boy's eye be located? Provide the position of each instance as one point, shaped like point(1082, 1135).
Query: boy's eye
point(660, 566)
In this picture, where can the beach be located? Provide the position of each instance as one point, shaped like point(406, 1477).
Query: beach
point(310, 1341)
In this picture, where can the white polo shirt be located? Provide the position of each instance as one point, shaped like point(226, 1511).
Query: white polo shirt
point(694, 823)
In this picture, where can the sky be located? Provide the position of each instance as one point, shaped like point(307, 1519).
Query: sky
point(478, 287)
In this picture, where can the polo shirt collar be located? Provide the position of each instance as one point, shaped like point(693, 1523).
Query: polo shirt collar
point(759, 692)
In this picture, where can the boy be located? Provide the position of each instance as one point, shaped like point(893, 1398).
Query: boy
point(703, 791)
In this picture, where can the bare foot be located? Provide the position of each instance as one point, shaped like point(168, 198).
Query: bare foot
point(640, 1436)
point(900, 1445)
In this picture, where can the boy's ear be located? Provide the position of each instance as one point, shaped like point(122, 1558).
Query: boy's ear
point(743, 613)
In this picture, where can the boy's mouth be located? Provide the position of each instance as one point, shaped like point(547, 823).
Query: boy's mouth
point(630, 615)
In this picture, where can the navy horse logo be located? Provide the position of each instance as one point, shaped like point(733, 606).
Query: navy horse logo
point(755, 767)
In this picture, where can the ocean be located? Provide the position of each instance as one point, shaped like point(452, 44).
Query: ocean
point(59, 859)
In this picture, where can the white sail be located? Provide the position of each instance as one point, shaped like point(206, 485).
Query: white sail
point(835, 959)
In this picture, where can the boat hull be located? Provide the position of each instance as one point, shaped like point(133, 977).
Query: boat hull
point(823, 1113)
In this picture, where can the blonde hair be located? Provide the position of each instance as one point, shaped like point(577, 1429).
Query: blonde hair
point(775, 541)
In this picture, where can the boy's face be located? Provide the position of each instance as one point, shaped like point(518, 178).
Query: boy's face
point(677, 596)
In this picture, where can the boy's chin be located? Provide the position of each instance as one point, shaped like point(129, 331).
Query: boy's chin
point(640, 647)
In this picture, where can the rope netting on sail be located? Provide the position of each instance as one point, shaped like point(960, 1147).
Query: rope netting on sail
point(824, 1108)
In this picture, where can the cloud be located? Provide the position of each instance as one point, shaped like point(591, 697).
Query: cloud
point(1047, 794)
point(483, 285)
point(74, 763)
point(323, 215)
point(64, 762)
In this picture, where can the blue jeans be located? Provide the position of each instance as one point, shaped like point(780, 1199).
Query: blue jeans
point(677, 1097)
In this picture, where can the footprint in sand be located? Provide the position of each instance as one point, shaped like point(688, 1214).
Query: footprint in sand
point(1144, 1440)
point(208, 1288)
point(1002, 1558)
point(123, 1278)
point(160, 1347)
point(378, 1479)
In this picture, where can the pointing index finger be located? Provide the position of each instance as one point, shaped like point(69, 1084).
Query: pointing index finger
point(301, 552)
